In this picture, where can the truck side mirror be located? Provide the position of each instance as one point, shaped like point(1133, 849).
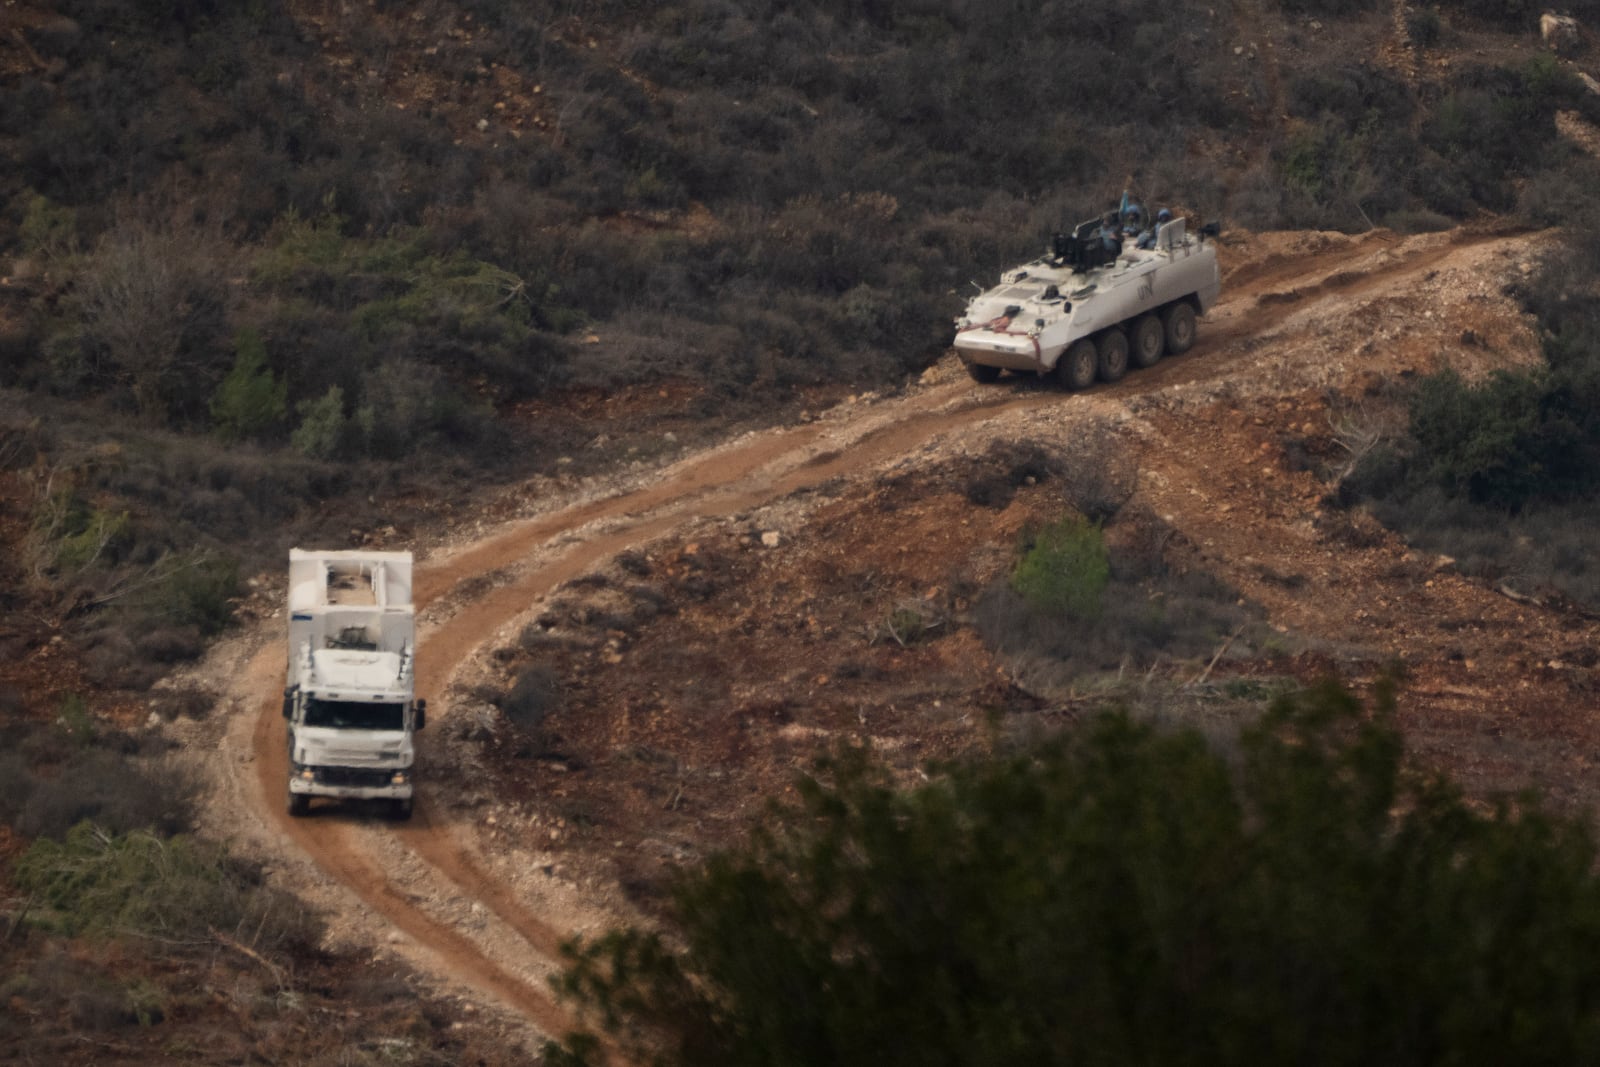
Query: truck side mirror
point(288, 702)
point(422, 714)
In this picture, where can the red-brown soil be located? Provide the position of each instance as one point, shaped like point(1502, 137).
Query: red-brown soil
point(772, 566)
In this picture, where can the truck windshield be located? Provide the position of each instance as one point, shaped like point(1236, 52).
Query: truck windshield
point(349, 715)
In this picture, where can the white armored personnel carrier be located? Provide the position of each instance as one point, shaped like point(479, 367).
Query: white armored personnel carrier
point(1093, 305)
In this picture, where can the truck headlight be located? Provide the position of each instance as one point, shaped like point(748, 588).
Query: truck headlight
point(307, 775)
point(399, 778)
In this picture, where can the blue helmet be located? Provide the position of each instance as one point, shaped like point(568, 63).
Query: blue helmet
point(1163, 215)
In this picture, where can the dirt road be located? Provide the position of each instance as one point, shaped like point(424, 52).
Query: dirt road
point(1304, 319)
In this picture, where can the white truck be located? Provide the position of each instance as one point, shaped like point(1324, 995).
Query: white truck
point(1092, 306)
point(349, 700)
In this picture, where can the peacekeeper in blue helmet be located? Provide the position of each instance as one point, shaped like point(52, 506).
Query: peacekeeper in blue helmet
point(1147, 239)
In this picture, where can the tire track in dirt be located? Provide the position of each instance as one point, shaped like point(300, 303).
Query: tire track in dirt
point(732, 480)
point(334, 845)
point(1264, 302)
point(736, 477)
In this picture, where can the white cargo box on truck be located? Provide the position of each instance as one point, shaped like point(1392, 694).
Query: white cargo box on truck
point(349, 696)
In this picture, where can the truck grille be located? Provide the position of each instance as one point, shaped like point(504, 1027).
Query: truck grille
point(358, 776)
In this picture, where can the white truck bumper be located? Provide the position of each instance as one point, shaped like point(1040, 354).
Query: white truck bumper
point(328, 783)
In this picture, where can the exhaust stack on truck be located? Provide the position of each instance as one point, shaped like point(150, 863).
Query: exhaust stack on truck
point(350, 695)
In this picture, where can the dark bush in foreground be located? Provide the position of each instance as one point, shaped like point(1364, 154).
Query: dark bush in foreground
point(1130, 896)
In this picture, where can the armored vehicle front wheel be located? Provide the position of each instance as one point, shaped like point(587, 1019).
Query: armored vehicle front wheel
point(299, 804)
point(1113, 355)
point(400, 810)
point(1077, 365)
point(982, 373)
point(1149, 341)
point(1180, 328)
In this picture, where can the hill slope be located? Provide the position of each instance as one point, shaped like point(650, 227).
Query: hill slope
point(711, 627)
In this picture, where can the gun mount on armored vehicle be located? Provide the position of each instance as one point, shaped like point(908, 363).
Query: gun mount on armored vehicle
point(1093, 304)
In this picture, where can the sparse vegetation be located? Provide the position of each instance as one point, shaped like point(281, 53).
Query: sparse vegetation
point(276, 276)
point(909, 622)
point(534, 694)
point(698, 194)
point(52, 778)
point(1503, 474)
point(1143, 608)
point(138, 884)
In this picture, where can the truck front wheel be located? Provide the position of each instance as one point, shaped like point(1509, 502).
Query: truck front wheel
point(982, 373)
point(299, 804)
point(400, 810)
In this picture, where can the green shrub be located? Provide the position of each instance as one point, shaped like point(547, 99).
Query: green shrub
point(1501, 442)
point(1064, 570)
point(324, 431)
point(1148, 615)
point(73, 536)
point(1497, 124)
point(75, 722)
point(49, 230)
point(195, 589)
point(250, 400)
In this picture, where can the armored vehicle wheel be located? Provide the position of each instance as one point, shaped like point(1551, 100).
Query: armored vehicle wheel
point(400, 810)
point(1149, 341)
point(1180, 327)
point(1077, 365)
point(982, 373)
point(299, 804)
point(1113, 355)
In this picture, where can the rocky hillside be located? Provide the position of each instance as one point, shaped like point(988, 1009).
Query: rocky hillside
point(633, 323)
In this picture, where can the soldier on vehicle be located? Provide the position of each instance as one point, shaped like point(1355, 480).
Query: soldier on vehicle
point(1110, 238)
point(1148, 238)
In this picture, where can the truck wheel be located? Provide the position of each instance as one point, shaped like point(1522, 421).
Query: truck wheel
point(1180, 327)
point(1149, 341)
point(299, 804)
point(982, 373)
point(1077, 365)
point(400, 810)
point(1113, 355)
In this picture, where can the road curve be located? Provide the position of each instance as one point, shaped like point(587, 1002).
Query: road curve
point(535, 556)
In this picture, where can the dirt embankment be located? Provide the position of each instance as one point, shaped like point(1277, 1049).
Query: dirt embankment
point(772, 560)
